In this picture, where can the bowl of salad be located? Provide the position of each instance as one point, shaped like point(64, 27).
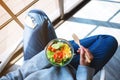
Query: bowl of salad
point(59, 52)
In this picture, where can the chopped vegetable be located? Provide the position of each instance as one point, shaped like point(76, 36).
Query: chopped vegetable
point(59, 53)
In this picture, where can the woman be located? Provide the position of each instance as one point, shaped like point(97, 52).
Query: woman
point(38, 32)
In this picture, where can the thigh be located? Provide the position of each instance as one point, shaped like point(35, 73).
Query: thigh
point(101, 46)
point(35, 39)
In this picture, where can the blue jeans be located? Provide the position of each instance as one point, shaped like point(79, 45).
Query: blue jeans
point(102, 47)
point(37, 38)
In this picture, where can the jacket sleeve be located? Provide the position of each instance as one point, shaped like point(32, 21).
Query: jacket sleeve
point(34, 64)
point(85, 73)
point(15, 75)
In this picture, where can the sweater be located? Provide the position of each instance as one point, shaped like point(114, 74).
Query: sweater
point(39, 68)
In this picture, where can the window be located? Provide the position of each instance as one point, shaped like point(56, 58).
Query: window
point(72, 4)
point(4, 16)
point(17, 5)
point(9, 35)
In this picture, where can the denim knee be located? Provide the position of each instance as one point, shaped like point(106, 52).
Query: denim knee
point(112, 39)
point(37, 33)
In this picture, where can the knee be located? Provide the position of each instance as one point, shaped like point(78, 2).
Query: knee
point(110, 40)
point(38, 12)
point(35, 18)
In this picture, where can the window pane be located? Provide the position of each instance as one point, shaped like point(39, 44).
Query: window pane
point(4, 16)
point(50, 7)
point(70, 4)
point(12, 33)
point(17, 5)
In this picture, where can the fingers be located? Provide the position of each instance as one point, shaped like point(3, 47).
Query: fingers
point(88, 54)
point(82, 57)
point(85, 56)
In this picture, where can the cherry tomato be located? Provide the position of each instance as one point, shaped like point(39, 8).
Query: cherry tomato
point(58, 56)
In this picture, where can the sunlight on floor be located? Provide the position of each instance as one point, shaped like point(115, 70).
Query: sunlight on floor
point(97, 17)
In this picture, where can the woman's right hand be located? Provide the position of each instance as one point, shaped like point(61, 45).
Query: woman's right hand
point(83, 53)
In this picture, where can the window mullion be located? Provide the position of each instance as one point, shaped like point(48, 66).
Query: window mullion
point(11, 13)
point(61, 6)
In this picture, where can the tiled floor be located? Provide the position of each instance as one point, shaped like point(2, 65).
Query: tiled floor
point(97, 17)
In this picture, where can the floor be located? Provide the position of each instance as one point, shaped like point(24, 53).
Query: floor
point(97, 17)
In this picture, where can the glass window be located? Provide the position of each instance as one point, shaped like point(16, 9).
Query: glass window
point(4, 16)
point(70, 4)
point(51, 8)
point(9, 35)
point(17, 5)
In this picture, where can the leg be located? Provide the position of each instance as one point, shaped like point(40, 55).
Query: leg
point(102, 47)
point(35, 39)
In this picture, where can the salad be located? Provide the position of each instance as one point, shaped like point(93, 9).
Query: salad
point(59, 53)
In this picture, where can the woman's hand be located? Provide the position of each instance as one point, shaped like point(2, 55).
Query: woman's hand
point(85, 54)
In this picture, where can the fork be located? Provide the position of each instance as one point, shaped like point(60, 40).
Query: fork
point(76, 39)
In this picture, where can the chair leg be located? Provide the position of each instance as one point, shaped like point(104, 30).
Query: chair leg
point(102, 75)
